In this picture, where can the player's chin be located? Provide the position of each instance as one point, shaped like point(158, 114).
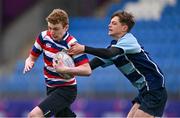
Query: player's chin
point(110, 33)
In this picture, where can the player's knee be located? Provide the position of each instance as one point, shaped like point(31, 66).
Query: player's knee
point(31, 115)
point(36, 112)
point(34, 115)
point(130, 114)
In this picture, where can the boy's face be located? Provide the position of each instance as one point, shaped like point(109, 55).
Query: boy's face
point(57, 31)
point(116, 29)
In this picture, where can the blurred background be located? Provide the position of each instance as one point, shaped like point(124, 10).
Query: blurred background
point(106, 93)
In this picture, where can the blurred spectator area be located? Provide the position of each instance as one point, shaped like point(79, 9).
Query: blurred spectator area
point(11, 9)
point(0, 16)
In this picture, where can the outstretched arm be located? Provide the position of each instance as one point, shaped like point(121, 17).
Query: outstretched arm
point(104, 53)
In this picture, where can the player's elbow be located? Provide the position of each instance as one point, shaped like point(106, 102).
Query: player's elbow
point(88, 72)
point(86, 69)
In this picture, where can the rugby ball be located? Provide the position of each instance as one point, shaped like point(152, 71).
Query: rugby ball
point(67, 61)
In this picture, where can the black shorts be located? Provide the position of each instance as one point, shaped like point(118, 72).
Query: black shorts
point(58, 101)
point(152, 102)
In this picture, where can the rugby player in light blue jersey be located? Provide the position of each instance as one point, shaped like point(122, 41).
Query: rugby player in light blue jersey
point(127, 55)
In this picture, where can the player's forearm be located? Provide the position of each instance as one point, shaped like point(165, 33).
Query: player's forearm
point(83, 70)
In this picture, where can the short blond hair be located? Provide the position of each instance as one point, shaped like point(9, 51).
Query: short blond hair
point(58, 16)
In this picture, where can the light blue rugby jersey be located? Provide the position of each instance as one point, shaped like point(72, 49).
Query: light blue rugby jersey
point(135, 64)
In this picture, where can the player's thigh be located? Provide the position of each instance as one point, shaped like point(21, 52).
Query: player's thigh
point(58, 100)
point(53, 104)
point(152, 102)
point(133, 110)
point(141, 114)
point(36, 112)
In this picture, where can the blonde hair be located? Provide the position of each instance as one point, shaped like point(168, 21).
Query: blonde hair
point(58, 16)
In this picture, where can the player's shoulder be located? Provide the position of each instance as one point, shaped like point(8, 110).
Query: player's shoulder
point(129, 44)
point(128, 39)
point(70, 39)
point(44, 33)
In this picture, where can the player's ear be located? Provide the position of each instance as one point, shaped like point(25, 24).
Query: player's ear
point(125, 28)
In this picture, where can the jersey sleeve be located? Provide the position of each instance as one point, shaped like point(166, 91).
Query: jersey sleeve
point(79, 59)
point(129, 44)
point(37, 47)
point(70, 41)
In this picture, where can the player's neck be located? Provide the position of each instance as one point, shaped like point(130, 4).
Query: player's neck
point(117, 37)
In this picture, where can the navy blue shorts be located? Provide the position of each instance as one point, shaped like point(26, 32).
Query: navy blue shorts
point(152, 102)
point(58, 101)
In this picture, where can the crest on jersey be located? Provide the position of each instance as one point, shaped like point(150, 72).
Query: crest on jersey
point(48, 45)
